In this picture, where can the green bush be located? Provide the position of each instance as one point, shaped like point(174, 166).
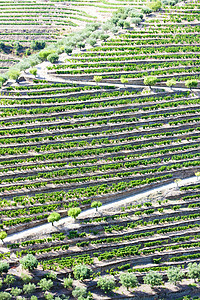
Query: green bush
point(43, 54)
point(68, 50)
point(51, 275)
point(33, 71)
point(26, 278)
point(79, 292)
point(150, 80)
point(96, 204)
point(4, 267)
point(29, 262)
point(107, 284)
point(153, 278)
point(16, 291)
point(53, 57)
point(82, 272)
point(5, 296)
point(174, 274)
point(155, 5)
point(68, 282)
point(194, 271)
point(37, 45)
point(10, 279)
point(13, 74)
point(128, 280)
point(29, 288)
point(45, 284)
point(53, 217)
point(191, 83)
point(74, 212)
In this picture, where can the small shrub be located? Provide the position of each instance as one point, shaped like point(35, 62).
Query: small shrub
point(29, 288)
point(107, 284)
point(128, 280)
point(67, 282)
point(29, 262)
point(10, 279)
point(82, 272)
point(5, 296)
point(174, 274)
point(45, 284)
point(53, 57)
point(53, 217)
point(74, 212)
point(4, 267)
point(79, 292)
point(153, 278)
point(16, 291)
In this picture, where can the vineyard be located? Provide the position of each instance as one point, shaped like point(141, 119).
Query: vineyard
point(99, 150)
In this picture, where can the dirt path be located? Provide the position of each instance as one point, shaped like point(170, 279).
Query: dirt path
point(67, 223)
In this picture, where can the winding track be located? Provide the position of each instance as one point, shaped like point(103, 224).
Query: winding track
point(67, 222)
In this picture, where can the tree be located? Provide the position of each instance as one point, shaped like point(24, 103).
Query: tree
point(2, 80)
point(150, 80)
point(120, 23)
point(34, 298)
point(191, 83)
point(126, 24)
point(67, 282)
point(177, 181)
point(155, 5)
point(29, 262)
point(174, 274)
point(153, 278)
point(136, 21)
point(33, 71)
point(68, 50)
point(29, 288)
point(171, 82)
point(147, 10)
point(104, 37)
point(44, 53)
point(197, 174)
point(97, 79)
point(53, 217)
point(45, 284)
point(4, 267)
point(53, 57)
point(17, 46)
point(107, 284)
point(13, 74)
point(92, 41)
point(5, 296)
point(123, 80)
point(28, 52)
point(74, 212)
point(82, 272)
point(81, 45)
point(194, 271)
point(37, 45)
point(96, 204)
point(79, 292)
point(2, 46)
point(128, 280)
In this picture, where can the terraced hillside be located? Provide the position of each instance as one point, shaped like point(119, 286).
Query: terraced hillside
point(28, 25)
point(68, 143)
